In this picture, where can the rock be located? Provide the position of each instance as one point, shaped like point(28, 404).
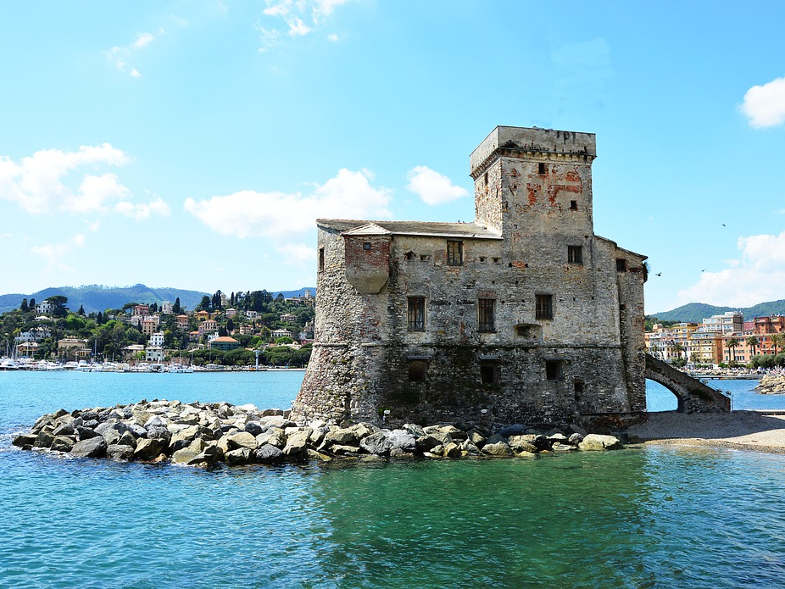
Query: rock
point(452, 450)
point(477, 439)
point(437, 450)
point(575, 439)
point(470, 448)
point(497, 449)
point(427, 442)
point(522, 443)
point(242, 440)
point(159, 432)
point(64, 429)
point(274, 421)
point(185, 455)
point(127, 439)
point(402, 439)
point(561, 447)
point(453, 432)
point(183, 438)
point(254, 428)
point(90, 448)
point(238, 456)
point(314, 455)
point(154, 421)
point(274, 436)
point(339, 449)
point(272, 412)
point(341, 436)
point(398, 453)
point(149, 448)
point(267, 454)
point(43, 440)
point(525, 454)
point(24, 440)
point(111, 435)
point(62, 444)
point(512, 430)
point(85, 433)
point(377, 443)
point(317, 435)
point(120, 452)
point(414, 429)
point(557, 437)
point(247, 408)
point(362, 430)
point(594, 442)
point(295, 443)
point(137, 430)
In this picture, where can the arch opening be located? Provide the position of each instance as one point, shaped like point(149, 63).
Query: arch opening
point(660, 398)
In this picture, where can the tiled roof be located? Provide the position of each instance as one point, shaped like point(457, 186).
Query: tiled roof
point(426, 229)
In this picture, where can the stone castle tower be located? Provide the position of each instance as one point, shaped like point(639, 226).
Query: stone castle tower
point(521, 316)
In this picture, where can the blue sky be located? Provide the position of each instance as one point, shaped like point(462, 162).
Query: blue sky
point(192, 144)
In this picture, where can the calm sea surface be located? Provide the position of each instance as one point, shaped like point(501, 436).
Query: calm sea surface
point(652, 517)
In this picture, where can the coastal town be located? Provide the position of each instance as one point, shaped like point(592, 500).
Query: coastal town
point(720, 343)
point(239, 331)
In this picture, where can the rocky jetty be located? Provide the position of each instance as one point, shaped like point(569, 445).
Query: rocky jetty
point(205, 434)
point(771, 384)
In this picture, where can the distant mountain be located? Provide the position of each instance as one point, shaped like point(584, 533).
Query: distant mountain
point(296, 293)
point(696, 312)
point(96, 298)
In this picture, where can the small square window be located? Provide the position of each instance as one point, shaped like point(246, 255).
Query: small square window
point(573, 205)
point(366, 245)
point(575, 254)
point(523, 330)
point(454, 253)
point(544, 306)
point(553, 369)
point(489, 371)
point(409, 255)
point(417, 370)
point(621, 265)
point(578, 385)
point(541, 168)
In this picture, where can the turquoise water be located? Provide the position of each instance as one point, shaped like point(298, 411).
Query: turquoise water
point(653, 517)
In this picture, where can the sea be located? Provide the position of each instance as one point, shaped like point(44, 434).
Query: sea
point(651, 516)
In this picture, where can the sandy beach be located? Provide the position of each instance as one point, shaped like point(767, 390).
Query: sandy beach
point(747, 430)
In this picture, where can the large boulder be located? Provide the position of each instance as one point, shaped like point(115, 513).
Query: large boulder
point(85, 433)
point(402, 439)
point(183, 438)
point(120, 452)
point(451, 450)
point(427, 442)
point(62, 443)
point(416, 430)
point(296, 442)
point(497, 449)
point(274, 436)
point(377, 443)
point(238, 456)
point(43, 440)
point(341, 436)
point(242, 440)
point(522, 443)
point(127, 439)
point(254, 428)
point(362, 430)
point(594, 442)
point(267, 454)
point(64, 429)
point(90, 448)
point(149, 448)
point(24, 440)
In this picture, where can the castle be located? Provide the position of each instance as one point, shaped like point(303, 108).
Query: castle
point(524, 315)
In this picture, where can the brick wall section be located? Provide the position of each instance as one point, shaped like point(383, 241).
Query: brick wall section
point(360, 364)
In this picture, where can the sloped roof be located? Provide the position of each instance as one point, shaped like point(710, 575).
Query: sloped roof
point(423, 228)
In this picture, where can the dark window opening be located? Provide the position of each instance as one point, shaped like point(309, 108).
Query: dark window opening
point(416, 315)
point(424, 258)
point(497, 260)
point(366, 245)
point(523, 330)
point(573, 205)
point(621, 265)
point(578, 385)
point(482, 258)
point(541, 168)
point(553, 369)
point(489, 371)
point(622, 306)
point(575, 254)
point(485, 178)
point(321, 259)
point(486, 315)
point(417, 370)
point(454, 253)
point(409, 255)
point(544, 306)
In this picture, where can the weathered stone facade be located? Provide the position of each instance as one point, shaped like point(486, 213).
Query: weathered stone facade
point(529, 317)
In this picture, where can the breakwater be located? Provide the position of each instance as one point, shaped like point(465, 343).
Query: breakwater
point(205, 434)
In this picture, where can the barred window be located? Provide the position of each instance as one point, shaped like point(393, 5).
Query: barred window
point(544, 308)
point(486, 312)
point(454, 253)
point(416, 313)
point(574, 254)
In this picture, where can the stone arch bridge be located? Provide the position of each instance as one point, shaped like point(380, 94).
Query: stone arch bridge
point(693, 396)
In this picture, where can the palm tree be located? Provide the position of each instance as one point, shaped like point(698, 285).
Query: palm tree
point(777, 339)
point(732, 343)
point(753, 343)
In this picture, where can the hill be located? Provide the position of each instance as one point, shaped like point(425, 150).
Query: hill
point(95, 297)
point(696, 312)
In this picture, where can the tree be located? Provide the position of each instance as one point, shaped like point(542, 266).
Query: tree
point(777, 339)
point(99, 319)
point(204, 305)
point(32, 304)
point(81, 310)
point(229, 325)
point(59, 302)
point(231, 299)
point(753, 343)
point(176, 308)
point(732, 344)
point(222, 331)
point(23, 307)
point(154, 307)
point(217, 300)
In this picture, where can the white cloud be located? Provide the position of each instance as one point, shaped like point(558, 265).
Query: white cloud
point(55, 253)
point(290, 215)
point(333, 38)
point(297, 253)
point(120, 55)
point(141, 211)
point(38, 182)
point(764, 105)
point(757, 276)
point(432, 187)
point(295, 18)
